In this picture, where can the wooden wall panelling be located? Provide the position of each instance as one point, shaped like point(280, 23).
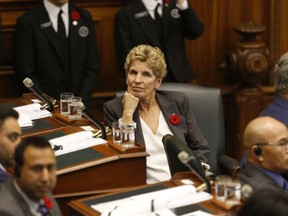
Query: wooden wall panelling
point(278, 33)
point(110, 78)
point(207, 54)
point(9, 86)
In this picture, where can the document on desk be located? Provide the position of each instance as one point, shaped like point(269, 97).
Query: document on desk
point(74, 142)
point(145, 204)
point(32, 112)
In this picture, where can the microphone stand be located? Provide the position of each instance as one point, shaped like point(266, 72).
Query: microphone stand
point(29, 84)
point(80, 106)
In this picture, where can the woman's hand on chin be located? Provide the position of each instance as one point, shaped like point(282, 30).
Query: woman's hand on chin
point(130, 103)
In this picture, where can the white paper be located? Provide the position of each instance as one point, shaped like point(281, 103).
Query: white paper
point(24, 121)
point(88, 128)
point(76, 141)
point(198, 213)
point(163, 212)
point(36, 100)
point(144, 203)
point(32, 111)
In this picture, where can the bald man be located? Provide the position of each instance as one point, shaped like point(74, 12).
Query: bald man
point(266, 143)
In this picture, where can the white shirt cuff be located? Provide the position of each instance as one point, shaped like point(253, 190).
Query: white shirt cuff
point(183, 6)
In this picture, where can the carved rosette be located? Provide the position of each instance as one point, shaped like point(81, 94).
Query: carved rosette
point(250, 59)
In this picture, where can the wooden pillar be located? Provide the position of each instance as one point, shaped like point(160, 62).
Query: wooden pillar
point(249, 61)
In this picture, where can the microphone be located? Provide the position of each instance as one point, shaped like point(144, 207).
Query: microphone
point(187, 157)
point(193, 163)
point(29, 84)
point(230, 165)
point(80, 106)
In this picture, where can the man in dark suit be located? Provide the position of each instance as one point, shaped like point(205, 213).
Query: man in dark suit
point(55, 45)
point(10, 133)
point(266, 144)
point(137, 23)
point(29, 192)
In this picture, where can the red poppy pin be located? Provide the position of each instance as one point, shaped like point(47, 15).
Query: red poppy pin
point(167, 2)
point(174, 119)
point(48, 202)
point(75, 16)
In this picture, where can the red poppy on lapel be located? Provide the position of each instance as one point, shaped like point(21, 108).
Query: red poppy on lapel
point(75, 15)
point(167, 2)
point(174, 119)
point(48, 202)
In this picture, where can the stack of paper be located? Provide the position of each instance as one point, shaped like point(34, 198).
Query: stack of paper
point(75, 141)
point(30, 112)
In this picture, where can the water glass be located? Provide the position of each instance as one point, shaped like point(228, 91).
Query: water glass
point(74, 113)
point(221, 182)
point(117, 132)
point(233, 192)
point(64, 101)
point(128, 135)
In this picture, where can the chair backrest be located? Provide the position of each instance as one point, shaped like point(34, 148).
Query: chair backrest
point(207, 106)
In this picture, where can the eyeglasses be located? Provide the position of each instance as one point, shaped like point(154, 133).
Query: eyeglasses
point(283, 143)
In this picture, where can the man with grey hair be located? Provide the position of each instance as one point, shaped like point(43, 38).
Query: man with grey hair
point(278, 109)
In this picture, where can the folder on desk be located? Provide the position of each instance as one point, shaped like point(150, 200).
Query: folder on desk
point(76, 147)
point(145, 204)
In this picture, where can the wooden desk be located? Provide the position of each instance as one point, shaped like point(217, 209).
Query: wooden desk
point(40, 125)
point(81, 207)
point(110, 168)
point(97, 168)
point(101, 168)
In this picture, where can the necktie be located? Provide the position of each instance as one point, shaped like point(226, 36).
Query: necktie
point(61, 32)
point(42, 209)
point(158, 20)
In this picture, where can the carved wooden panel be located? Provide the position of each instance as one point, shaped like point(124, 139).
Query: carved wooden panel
point(207, 54)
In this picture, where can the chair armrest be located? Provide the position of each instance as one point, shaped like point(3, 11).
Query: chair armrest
point(230, 166)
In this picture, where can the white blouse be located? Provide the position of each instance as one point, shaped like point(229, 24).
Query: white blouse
point(157, 164)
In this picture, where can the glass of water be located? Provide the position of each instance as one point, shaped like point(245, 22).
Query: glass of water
point(64, 101)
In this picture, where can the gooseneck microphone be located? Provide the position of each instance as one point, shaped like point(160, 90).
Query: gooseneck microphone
point(194, 164)
point(80, 106)
point(187, 157)
point(29, 84)
point(230, 165)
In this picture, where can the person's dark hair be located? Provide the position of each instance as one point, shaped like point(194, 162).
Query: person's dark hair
point(37, 142)
point(7, 111)
point(265, 203)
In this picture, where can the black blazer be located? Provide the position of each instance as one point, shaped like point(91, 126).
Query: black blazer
point(170, 103)
point(37, 54)
point(134, 26)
